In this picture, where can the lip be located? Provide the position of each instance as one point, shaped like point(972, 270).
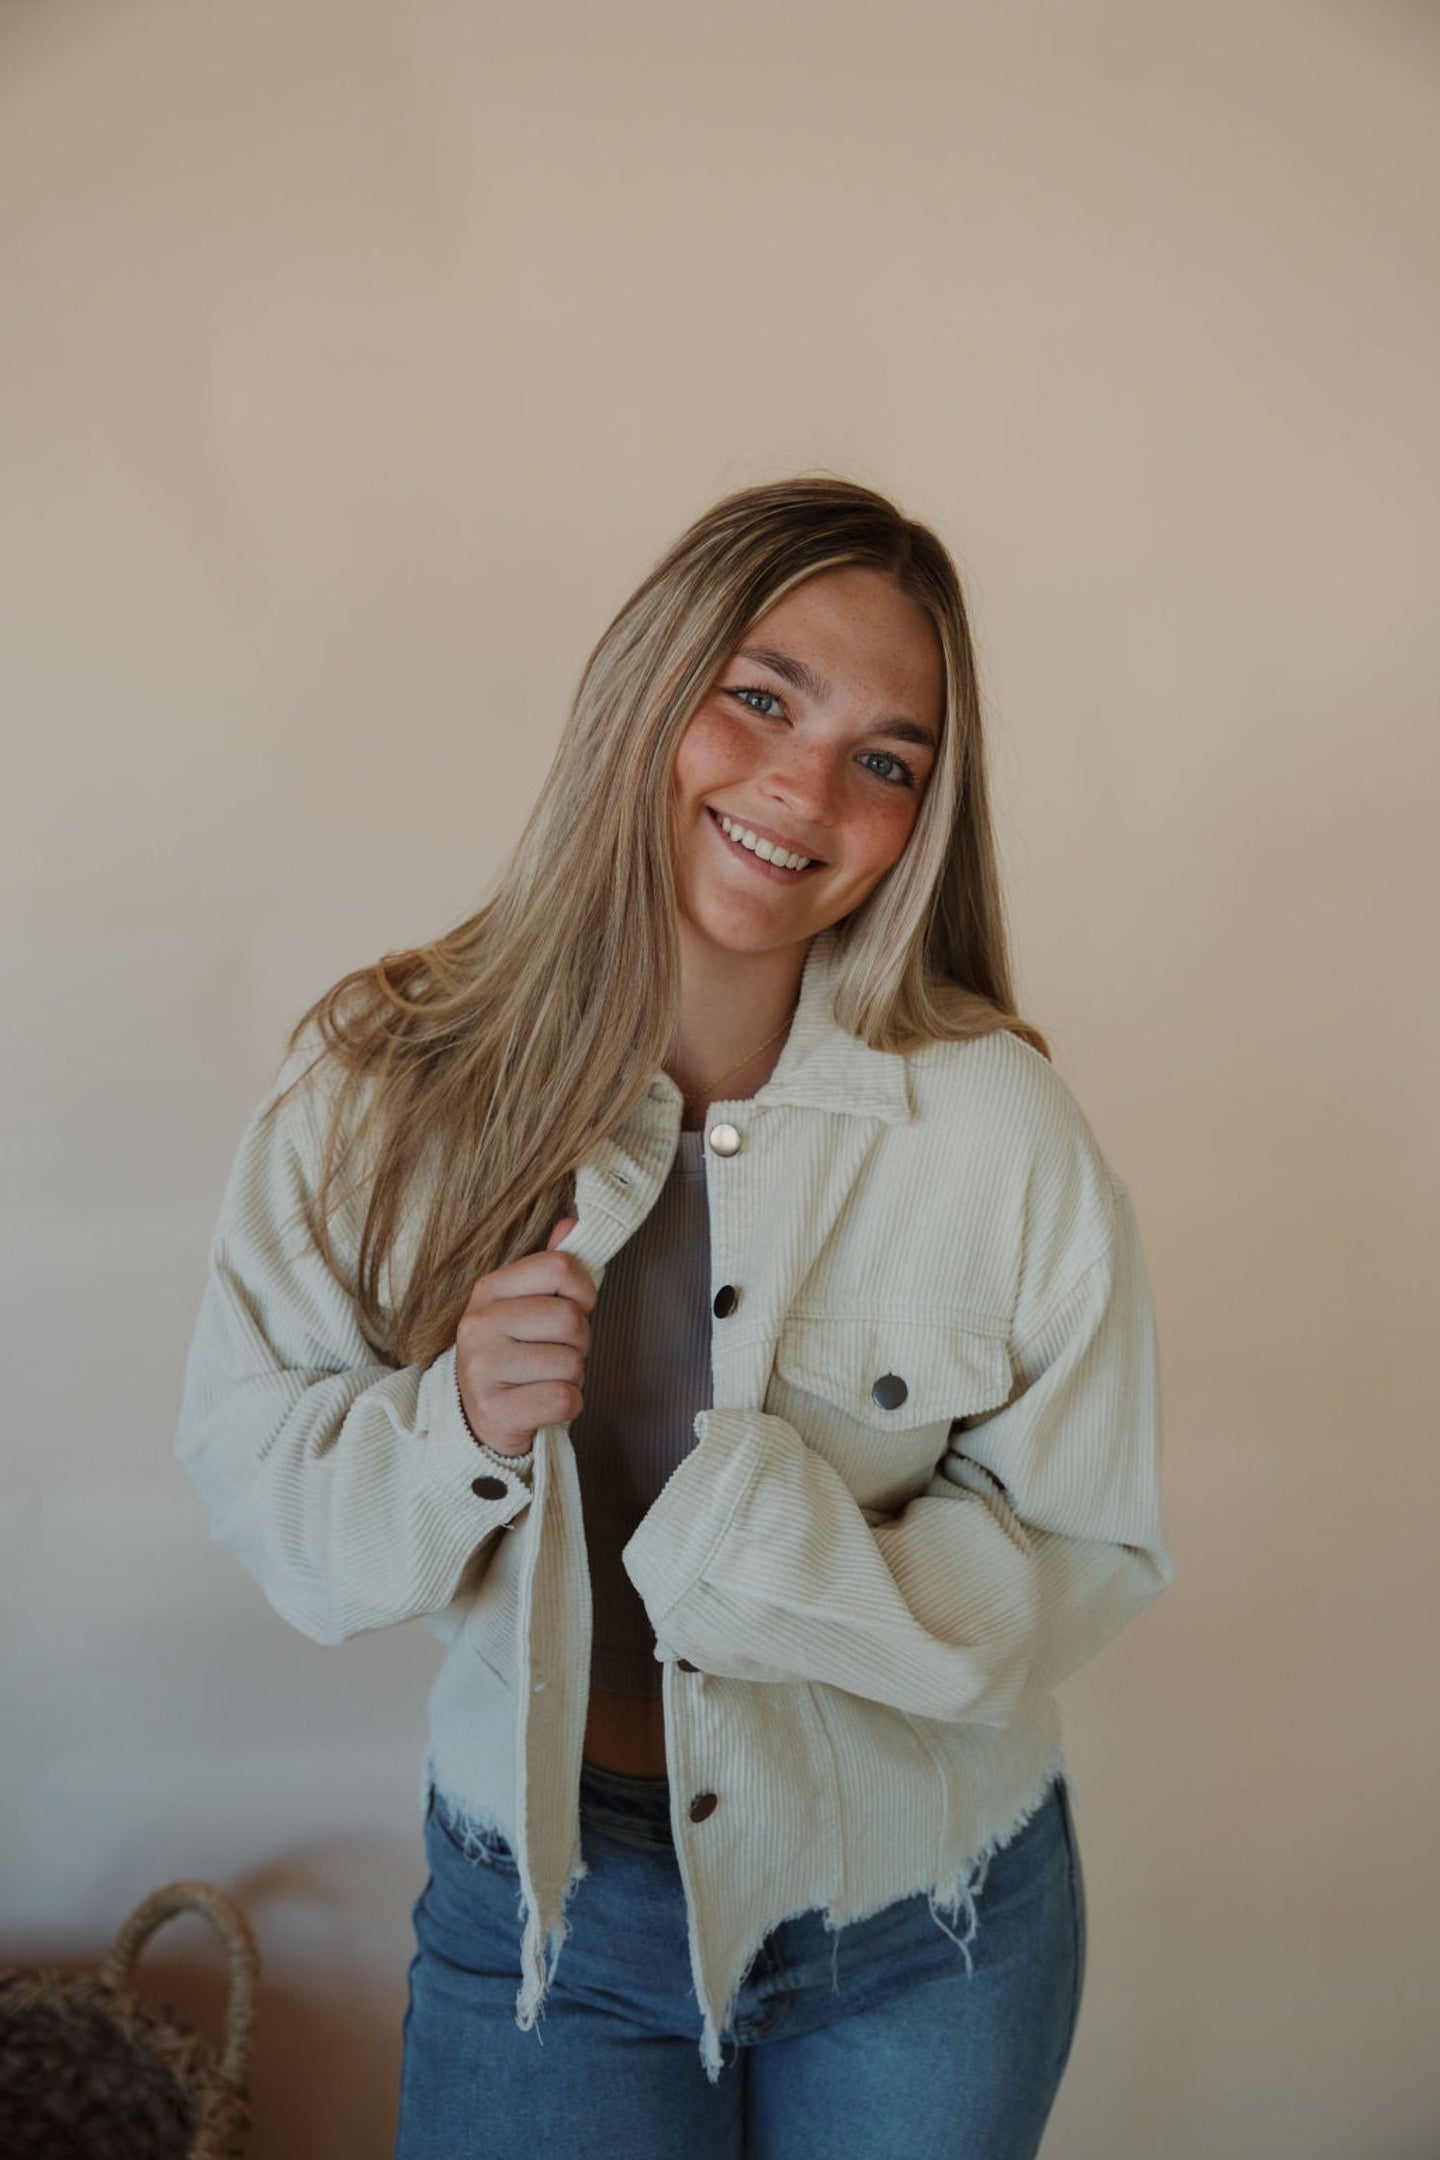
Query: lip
point(764, 832)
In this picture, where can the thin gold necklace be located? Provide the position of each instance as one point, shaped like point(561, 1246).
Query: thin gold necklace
point(702, 1093)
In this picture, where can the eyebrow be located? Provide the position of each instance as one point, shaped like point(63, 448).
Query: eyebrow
point(803, 678)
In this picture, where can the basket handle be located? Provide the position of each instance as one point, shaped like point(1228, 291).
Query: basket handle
point(241, 1950)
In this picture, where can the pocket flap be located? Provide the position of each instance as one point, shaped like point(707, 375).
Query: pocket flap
point(947, 1371)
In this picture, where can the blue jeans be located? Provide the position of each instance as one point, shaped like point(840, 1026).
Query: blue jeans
point(875, 2043)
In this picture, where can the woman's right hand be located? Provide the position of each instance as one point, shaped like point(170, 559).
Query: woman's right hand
point(521, 1345)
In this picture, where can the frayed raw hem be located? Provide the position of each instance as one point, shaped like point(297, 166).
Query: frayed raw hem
point(969, 1881)
point(710, 2052)
point(959, 1893)
point(537, 1972)
point(540, 1937)
point(475, 1832)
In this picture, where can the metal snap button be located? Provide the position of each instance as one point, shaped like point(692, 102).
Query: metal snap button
point(889, 1391)
point(727, 1297)
point(489, 1488)
point(703, 1804)
point(725, 1139)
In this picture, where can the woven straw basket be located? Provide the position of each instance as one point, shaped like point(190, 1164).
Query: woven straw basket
point(91, 2071)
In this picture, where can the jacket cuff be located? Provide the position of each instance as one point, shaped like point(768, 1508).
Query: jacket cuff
point(691, 1516)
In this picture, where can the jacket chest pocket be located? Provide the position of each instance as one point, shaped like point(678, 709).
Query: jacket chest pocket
point(877, 1397)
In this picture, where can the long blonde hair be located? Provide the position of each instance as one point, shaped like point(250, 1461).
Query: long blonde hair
point(492, 1059)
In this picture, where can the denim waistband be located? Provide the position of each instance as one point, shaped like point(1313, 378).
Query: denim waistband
point(640, 1803)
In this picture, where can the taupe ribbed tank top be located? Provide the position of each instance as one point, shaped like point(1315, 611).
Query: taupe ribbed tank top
point(646, 1375)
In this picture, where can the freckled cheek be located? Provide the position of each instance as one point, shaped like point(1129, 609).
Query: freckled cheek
point(713, 750)
point(879, 839)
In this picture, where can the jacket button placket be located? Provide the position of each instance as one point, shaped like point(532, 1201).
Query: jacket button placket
point(724, 1140)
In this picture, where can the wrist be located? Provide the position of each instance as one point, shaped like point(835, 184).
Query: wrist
point(517, 1458)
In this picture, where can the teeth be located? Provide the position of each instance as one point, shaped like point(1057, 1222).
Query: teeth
point(763, 848)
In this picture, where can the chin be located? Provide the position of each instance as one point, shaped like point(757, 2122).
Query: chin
point(735, 937)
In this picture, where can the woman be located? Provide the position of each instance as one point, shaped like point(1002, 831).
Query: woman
point(689, 1286)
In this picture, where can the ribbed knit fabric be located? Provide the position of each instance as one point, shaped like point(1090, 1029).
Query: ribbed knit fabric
point(646, 1375)
point(925, 1491)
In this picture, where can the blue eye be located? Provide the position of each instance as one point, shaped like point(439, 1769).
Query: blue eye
point(903, 775)
point(770, 694)
point(906, 775)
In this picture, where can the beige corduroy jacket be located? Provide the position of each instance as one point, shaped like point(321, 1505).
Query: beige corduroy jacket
point(863, 1595)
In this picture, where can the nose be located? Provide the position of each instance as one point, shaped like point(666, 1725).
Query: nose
point(804, 780)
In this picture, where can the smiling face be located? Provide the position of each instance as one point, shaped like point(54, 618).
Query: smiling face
point(817, 738)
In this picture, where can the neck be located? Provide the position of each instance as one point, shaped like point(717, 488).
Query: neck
point(729, 1003)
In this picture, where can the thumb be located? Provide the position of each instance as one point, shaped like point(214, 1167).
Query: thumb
point(562, 1229)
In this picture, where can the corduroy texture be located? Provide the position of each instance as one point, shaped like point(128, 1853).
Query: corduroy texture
point(880, 1591)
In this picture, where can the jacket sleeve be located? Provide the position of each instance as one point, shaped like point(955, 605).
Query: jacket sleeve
point(1037, 1539)
point(350, 1488)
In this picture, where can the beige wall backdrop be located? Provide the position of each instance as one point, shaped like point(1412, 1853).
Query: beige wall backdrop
point(355, 360)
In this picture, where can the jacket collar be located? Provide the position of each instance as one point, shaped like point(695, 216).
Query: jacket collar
point(822, 1066)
